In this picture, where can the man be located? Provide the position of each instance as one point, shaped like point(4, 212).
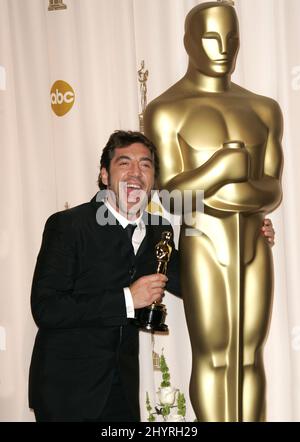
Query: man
point(214, 135)
point(89, 278)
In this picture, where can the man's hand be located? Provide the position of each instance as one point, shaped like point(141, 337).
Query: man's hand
point(148, 289)
point(268, 231)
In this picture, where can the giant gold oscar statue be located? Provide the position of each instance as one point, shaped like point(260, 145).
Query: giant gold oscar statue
point(217, 136)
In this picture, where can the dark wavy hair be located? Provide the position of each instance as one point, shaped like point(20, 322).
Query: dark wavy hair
point(122, 138)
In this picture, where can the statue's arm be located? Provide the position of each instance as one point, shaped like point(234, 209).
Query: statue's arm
point(269, 190)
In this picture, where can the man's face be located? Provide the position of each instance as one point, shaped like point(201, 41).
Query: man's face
point(130, 178)
point(212, 40)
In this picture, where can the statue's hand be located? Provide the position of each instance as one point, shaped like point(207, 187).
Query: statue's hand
point(234, 164)
point(160, 254)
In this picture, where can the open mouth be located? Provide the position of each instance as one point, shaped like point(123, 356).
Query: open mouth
point(134, 192)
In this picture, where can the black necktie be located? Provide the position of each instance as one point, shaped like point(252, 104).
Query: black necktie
point(130, 229)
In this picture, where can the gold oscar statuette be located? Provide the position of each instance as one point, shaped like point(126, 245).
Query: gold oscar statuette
point(152, 318)
point(142, 78)
point(216, 136)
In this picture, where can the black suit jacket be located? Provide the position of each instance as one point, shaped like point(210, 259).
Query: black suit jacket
point(78, 304)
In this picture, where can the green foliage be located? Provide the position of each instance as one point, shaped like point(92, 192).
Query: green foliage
point(164, 372)
point(151, 417)
point(181, 407)
point(165, 409)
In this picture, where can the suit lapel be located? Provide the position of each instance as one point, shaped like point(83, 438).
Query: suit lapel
point(144, 243)
point(108, 221)
point(148, 237)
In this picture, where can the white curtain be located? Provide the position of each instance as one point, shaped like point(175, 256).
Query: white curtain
point(45, 161)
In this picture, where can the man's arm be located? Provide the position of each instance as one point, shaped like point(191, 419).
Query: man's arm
point(53, 302)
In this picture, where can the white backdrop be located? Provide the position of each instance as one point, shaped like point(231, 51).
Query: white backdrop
point(96, 47)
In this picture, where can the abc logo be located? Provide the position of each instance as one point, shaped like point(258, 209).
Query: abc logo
point(62, 98)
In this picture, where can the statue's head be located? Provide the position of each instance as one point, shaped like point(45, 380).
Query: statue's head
point(212, 38)
point(167, 235)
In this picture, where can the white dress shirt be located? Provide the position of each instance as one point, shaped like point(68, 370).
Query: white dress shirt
point(137, 238)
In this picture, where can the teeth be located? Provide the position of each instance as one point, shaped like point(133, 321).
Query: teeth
point(133, 186)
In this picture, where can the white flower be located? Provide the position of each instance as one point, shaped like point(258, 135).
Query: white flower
point(167, 395)
point(175, 418)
